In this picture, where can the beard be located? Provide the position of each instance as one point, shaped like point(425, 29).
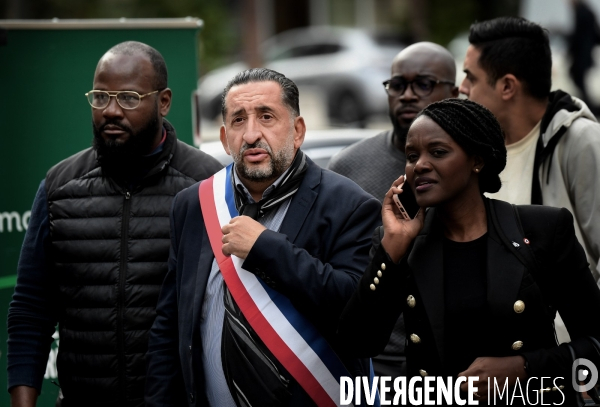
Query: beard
point(399, 131)
point(122, 158)
point(279, 162)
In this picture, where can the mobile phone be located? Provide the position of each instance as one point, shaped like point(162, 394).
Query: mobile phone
point(406, 202)
point(396, 199)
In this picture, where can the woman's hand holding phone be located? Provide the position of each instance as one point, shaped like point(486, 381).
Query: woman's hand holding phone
point(396, 198)
point(399, 229)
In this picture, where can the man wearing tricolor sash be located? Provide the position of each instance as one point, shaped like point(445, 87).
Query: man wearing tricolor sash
point(264, 256)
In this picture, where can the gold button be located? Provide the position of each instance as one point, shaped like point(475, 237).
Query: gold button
point(561, 387)
point(423, 372)
point(414, 338)
point(379, 273)
point(376, 280)
point(372, 287)
point(517, 345)
point(519, 306)
point(383, 266)
point(410, 300)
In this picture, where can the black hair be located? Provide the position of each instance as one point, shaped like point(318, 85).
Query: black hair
point(289, 90)
point(477, 131)
point(517, 46)
point(155, 57)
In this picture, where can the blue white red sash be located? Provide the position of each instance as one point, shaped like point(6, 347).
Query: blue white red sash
point(292, 339)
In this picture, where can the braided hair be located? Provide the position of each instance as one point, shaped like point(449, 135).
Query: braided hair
point(477, 131)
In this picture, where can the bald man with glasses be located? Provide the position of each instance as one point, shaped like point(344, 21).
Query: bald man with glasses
point(97, 245)
point(422, 73)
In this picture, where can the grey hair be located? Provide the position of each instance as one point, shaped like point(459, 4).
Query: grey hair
point(289, 90)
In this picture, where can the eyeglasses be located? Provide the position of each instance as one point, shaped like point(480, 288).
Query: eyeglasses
point(127, 99)
point(420, 86)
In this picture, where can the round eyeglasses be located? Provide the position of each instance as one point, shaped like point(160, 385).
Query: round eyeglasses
point(420, 86)
point(127, 99)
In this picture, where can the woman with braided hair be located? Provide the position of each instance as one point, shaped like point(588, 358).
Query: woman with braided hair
point(479, 281)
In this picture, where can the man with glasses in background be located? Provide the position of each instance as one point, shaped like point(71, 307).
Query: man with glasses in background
point(96, 248)
point(422, 73)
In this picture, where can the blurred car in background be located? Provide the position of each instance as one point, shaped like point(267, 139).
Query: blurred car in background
point(346, 65)
point(319, 145)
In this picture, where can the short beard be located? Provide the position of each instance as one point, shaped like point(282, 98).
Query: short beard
point(280, 161)
point(399, 131)
point(122, 158)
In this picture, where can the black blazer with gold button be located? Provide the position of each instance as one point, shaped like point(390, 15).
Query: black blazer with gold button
point(415, 287)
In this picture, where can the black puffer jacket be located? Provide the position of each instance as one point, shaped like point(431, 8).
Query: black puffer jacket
point(109, 248)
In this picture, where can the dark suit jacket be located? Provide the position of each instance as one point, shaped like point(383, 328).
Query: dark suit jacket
point(316, 260)
point(562, 279)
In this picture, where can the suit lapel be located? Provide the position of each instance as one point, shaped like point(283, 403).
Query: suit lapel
point(203, 268)
point(302, 201)
point(200, 264)
point(504, 276)
point(426, 261)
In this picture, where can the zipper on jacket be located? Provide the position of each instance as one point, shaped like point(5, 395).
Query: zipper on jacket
point(121, 294)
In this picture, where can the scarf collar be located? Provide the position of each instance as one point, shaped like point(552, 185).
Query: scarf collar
point(283, 188)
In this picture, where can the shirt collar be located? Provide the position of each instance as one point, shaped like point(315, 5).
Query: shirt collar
point(242, 188)
point(160, 146)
